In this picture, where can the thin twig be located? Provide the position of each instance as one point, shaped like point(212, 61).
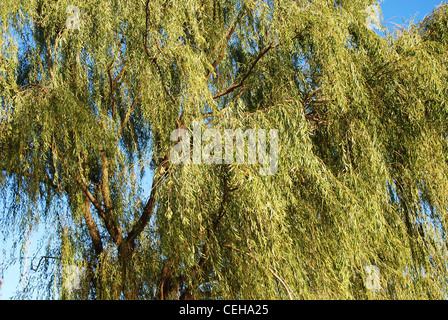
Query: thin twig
point(40, 260)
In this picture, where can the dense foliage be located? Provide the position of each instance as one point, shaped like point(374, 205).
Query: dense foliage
point(86, 118)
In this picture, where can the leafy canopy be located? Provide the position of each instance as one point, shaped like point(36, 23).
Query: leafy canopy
point(87, 114)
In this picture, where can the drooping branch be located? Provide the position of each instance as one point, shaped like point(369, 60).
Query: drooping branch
point(222, 211)
point(186, 295)
point(162, 78)
point(105, 180)
point(159, 70)
point(154, 59)
point(282, 281)
point(229, 34)
point(111, 85)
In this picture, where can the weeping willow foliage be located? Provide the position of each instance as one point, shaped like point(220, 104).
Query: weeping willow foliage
point(86, 118)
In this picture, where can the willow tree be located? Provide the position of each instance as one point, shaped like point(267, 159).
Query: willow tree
point(93, 90)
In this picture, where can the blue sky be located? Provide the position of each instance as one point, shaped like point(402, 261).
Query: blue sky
point(394, 11)
point(401, 11)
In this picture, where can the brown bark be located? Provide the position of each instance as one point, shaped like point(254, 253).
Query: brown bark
point(92, 227)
